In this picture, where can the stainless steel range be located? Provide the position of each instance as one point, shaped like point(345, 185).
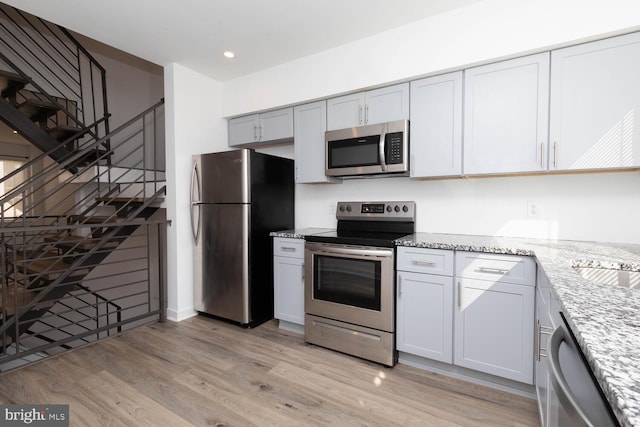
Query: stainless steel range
point(350, 280)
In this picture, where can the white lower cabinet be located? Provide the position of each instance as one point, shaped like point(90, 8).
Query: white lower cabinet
point(288, 280)
point(424, 310)
point(481, 317)
point(494, 319)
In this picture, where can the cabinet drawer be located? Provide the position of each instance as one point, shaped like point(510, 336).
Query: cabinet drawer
point(520, 270)
point(291, 248)
point(421, 260)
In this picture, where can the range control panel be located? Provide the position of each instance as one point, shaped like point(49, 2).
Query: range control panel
point(376, 211)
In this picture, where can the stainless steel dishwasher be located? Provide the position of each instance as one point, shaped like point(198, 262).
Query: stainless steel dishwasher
point(578, 400)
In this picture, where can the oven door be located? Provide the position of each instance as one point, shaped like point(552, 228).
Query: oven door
point(353, 284)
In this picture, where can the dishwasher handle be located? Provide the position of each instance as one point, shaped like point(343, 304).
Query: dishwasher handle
point(561, 387)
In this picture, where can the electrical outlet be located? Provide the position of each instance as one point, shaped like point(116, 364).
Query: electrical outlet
point(332, 208)
point(533, 209)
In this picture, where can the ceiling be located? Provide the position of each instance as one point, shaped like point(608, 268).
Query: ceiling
point(194, 33)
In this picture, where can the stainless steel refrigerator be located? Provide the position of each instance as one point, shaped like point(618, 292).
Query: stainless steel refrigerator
point(237, 198)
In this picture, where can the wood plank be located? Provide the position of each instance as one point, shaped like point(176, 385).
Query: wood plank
point(206, 372)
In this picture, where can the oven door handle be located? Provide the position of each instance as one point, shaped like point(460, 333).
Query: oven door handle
point(388, 253)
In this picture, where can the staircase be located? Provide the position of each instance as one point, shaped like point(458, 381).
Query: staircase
point(83, 237)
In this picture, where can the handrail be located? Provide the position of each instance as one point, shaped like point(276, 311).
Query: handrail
point(80, 154)
point(54, 62)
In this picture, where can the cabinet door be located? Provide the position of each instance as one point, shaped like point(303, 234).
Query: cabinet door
point(288, 280)
point(276, 125)
point(494, 328)
point(595, 92)
point(424, 322)
point(387, 104)
point(345, 111)
point(243, 130)
point(506, 116)
point(436, 126)
point(310, 123)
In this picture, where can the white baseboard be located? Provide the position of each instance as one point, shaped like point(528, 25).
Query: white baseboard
point(178, 316)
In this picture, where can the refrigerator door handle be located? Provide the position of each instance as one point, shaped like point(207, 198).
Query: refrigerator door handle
point(195, 184)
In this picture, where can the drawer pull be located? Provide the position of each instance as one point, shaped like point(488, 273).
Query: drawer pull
point(425, 263)
point(492, 270)
point(287, 249)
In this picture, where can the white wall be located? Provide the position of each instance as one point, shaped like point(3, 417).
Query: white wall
point(133, 84)
point(193, 126)
point(474, 34)
point(600, 207)
point(582, 207)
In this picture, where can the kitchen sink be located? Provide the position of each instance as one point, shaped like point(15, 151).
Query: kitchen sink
point(605, 276)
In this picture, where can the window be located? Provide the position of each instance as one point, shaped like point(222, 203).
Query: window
point(12, 207)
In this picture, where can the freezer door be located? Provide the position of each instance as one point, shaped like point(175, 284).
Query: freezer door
point(225, 177)
point(222, 262)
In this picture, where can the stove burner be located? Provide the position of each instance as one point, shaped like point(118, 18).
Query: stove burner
point(370, 224)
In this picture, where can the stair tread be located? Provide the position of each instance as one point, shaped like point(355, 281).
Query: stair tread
point(137, 200)
point(93, 219)
point(79, 243)
point(11, 82)
point(50, 266)
point(37, 108)
point(63, 132)
point(23, 298)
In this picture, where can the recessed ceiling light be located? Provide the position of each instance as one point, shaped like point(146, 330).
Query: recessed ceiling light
point(15, 131)
point(229, 54)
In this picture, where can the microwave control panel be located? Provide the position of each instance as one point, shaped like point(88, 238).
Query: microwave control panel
point(393, 149)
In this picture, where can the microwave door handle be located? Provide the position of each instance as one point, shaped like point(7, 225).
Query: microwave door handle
point(383, 136)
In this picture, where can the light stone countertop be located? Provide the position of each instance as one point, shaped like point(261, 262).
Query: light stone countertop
point(605, 319)
point(299, 233)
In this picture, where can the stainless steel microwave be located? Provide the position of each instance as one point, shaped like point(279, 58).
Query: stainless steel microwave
point(381, 148)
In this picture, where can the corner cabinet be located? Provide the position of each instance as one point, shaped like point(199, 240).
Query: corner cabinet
point(363, 108)
point(424, 310)
point(288, 282)
point(263, 128)
point(595, 92)
point(310, 123)
point(506, 116)
point(436, 126)
point(494, 314)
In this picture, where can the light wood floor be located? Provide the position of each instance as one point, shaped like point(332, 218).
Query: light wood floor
point(204, 372)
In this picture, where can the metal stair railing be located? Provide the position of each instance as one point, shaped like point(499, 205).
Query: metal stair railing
point(100, 318)
point(129, 282)
point(128, 188)
point(58, 67)
point(128, 179)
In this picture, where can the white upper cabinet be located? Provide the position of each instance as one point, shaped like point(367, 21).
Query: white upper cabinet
point(243, 130)
point(363, 108)
point(310, 123)
point(506, 116)
point(436, 126)
point(595, 92)
point(271, 126)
